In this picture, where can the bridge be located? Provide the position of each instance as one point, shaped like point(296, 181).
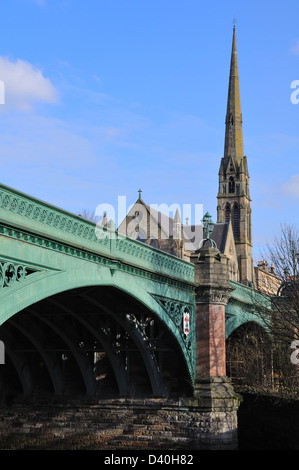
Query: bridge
point(86, 301)
point(88, 312)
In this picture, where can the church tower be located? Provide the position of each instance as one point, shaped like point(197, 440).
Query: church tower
point(234, 201)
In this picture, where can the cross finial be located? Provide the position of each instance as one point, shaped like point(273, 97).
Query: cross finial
point(140, 191)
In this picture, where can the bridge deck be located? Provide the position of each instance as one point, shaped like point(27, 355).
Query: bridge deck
point(64, 231)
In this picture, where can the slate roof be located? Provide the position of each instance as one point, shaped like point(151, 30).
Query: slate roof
point(219, 234)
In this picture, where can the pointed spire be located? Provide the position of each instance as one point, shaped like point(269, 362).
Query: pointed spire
point(177, 218)
point(233, 126)
point(177, 225)
point(104, 221)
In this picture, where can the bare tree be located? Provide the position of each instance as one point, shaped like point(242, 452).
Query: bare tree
point(284, 254)
point(263, 361)
point(88, 215)
point(280, 312)
point(249, 363)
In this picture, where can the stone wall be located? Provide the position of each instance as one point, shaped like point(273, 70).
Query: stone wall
point(116, 424)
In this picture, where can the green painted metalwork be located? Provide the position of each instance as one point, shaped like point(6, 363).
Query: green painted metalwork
point(208, 226)
point(45, 250)
point(243, 307)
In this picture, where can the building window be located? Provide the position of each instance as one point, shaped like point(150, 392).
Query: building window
point(231, 185)
point(227, 213)
point(248, 226)
point(236, 222)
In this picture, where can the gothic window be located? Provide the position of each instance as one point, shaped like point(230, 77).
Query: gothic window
point(236, 221)
point(231, 185)
point(224, 189)
point(238, 189)
point(248, 226)
point(227, 213)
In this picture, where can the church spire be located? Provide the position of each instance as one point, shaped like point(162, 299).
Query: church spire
point(234, 203)
point(233, 146)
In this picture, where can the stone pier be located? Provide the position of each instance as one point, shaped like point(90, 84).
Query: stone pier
point(214, 393)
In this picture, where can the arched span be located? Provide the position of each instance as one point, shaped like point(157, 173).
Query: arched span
point(122, 326)
point(249, 361)
point(45, 284)
point(245, 306)
point(238, 315)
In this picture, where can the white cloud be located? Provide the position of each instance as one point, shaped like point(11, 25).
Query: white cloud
point(24, 85)
point(291, 188)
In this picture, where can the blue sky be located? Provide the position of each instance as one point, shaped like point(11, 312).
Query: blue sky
point(104, 98)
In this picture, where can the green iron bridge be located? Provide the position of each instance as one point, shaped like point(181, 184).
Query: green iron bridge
point(85, 311)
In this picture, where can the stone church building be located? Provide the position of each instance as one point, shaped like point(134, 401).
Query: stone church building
point(232, 233)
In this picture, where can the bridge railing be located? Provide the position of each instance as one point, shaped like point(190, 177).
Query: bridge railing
point(249, 296)
point(38, 218)
point(246, 305)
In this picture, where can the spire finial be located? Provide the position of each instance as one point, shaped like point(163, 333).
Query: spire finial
point(234, 22)
point(140, 191)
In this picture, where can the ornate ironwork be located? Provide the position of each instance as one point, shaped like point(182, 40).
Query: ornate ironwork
point(12, 272)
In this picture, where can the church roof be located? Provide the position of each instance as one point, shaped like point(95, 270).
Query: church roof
point(219, 235)
point(166, 223)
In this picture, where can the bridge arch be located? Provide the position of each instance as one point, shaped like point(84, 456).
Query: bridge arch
point(249, 358)
point(124, 334)
point(246, 306)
